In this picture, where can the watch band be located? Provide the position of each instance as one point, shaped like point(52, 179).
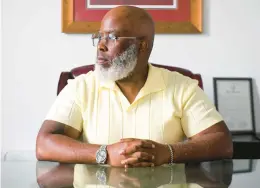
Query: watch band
point(171, 151)
point(103, 147)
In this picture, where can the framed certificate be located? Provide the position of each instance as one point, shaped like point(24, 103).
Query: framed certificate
point(234, 100)
point(170, 16)
point(242, 165)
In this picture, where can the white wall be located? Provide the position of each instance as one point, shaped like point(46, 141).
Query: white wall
point(1, 86)
point(1, 82)
point(35, 52)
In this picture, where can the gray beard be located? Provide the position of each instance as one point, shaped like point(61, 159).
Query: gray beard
point(120, 67)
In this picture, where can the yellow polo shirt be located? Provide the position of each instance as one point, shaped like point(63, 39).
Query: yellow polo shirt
point(169, 108)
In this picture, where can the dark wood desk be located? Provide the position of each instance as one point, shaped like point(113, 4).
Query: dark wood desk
point(246, 147)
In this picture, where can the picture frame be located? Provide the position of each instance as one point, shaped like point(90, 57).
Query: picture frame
point(235, 102)
point(180, 16)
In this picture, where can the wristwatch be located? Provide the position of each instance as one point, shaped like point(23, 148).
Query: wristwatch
point(101, 155)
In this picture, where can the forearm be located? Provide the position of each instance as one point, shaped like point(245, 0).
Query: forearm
point(60, 148)
point(211, 146)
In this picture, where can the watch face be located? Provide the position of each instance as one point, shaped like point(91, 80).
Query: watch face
point(101, 156)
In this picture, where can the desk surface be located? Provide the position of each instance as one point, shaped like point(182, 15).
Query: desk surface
point(233, 173)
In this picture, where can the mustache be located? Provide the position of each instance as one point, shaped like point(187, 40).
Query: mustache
point(126, 54)
point(102, 56)
point(106, 57)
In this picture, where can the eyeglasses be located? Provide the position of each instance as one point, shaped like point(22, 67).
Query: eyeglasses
point(110, 38)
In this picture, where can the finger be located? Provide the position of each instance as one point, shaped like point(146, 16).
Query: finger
point(142, 143)
point(130, 161)
point(130, 149)
point(138, 157)
point(145, 144)
point(127, 166)
point(138, 145)
point(144, 156)
point(143, 164)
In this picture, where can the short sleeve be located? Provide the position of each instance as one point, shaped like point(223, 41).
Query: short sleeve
point(198, 112)
point(65, 108)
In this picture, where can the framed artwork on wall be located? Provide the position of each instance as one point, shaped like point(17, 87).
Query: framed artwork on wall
point(170, 16)
point(234, 101)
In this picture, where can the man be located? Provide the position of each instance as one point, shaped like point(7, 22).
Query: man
point(128, 112)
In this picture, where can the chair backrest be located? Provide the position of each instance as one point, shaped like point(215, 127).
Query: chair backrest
point(64, 76)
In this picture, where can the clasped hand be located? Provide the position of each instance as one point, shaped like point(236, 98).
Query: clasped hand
point(131, 152)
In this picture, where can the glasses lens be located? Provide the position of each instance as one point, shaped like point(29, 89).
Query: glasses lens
point(96, 38)
point(95, 41)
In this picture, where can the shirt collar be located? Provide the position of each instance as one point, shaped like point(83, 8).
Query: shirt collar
point(154, 82)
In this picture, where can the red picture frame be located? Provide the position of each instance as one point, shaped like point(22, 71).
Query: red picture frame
point(170, 16)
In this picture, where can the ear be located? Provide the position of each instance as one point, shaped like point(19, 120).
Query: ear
point(143, 46)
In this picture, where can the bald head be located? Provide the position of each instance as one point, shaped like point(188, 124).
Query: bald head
point(130, 21)
point(131, 15)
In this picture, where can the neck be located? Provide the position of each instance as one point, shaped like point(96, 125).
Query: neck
point(138, 78)
point(132, 85)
